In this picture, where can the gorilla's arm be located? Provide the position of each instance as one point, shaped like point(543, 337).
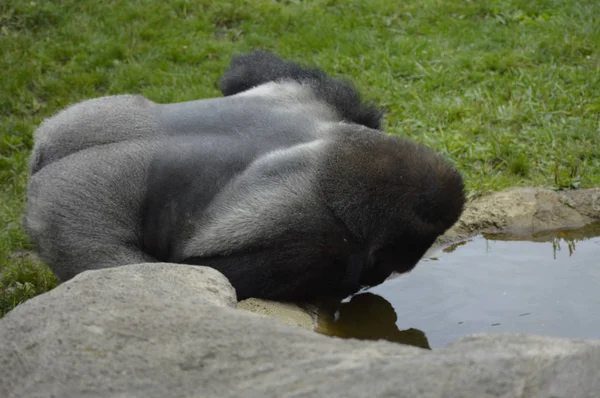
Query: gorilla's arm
point(260, 67)
point(266, 229)
point(297, 266)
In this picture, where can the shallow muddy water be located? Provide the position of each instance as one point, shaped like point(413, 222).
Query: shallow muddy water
point(546, 285)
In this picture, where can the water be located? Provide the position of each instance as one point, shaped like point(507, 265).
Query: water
point(546, 285)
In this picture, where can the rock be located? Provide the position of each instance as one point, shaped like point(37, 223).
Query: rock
point(302, 315)
point(585, 201)
point(526, 211)
point(158, 330)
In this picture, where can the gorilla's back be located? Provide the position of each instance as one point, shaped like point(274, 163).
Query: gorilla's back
point(213, 141)
point(168, 162)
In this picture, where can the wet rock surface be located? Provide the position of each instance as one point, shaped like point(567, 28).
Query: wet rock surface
point(526, 211)
point(156, 330)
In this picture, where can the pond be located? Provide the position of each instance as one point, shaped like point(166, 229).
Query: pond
point(547, 284)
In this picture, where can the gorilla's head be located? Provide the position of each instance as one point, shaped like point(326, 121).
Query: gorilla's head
point(395, 197)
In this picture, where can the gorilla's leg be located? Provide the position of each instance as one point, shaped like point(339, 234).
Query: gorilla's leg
point(257, 68)
point(83, 212)
point(92, 123)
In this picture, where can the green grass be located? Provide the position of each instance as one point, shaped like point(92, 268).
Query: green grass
point(507, 89)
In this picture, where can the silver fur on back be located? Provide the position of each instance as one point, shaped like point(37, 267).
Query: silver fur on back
point(90, 168)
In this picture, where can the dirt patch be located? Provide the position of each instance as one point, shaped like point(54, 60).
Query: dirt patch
point(302, 315)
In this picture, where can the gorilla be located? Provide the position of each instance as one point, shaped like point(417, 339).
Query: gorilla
point(286, 185)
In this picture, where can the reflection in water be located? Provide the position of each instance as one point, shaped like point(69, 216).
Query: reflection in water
point(568, 236)
point(545, 284)
point(366, 316)
point(580, 234)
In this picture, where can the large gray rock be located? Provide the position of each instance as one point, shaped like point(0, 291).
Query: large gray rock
point(165, 330)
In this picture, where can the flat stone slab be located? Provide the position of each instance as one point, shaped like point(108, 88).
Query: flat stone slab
point(166, 330)
point(302, 315)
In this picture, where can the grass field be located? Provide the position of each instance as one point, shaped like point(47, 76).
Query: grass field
point(507, 89)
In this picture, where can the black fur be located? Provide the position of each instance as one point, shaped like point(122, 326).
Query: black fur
point(260, 67)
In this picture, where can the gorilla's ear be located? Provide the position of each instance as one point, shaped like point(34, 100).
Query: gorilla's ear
point(260, 67)
point(275, 194)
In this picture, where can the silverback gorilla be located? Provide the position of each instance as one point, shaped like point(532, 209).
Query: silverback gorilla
point(286, 185)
